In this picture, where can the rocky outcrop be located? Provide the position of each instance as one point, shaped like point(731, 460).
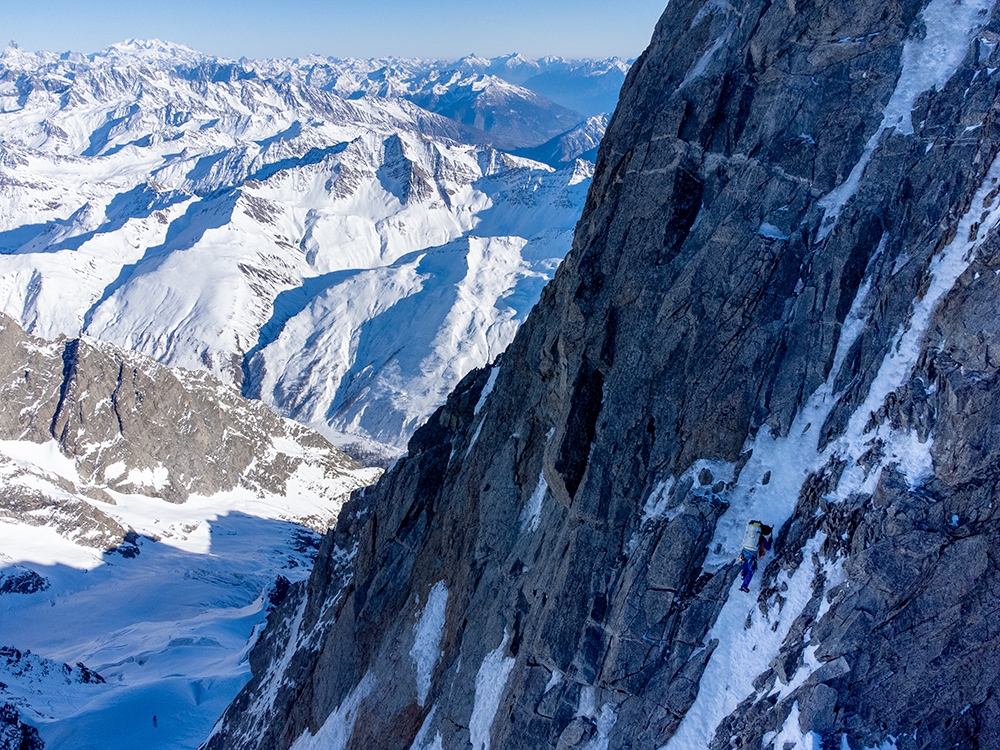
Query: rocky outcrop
point(14, 733)
point(25, 676)
point(127, 424)
point(21, 581)
point(777, 305)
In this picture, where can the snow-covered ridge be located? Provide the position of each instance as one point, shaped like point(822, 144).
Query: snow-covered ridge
point(580, 142)
point(210, 213)
point(499, 89)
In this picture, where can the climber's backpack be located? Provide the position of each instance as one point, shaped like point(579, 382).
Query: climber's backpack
point(765, 533)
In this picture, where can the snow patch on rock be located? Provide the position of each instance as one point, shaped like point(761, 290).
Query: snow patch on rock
point(655, 506)
point(339, 726)
point(790, 736)
point(743, 652)
point(421, 741)
point(531, 514)
point(487, 389)
point(491, 679)
point(903, 447)
point(427, 634)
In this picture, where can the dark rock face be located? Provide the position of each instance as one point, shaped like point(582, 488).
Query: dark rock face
point(766, 267)
point(22, 581)
point(106, 406)
point(14, 733)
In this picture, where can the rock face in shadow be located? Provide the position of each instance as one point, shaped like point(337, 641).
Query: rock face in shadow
point(15, 734)
point(789, 250)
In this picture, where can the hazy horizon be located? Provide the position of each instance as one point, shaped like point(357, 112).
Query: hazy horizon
point(442, 29)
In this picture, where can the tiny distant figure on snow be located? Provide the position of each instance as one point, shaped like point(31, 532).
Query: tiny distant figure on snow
point(756, 543)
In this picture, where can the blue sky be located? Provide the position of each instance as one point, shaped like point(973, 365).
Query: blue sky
point(361, 28)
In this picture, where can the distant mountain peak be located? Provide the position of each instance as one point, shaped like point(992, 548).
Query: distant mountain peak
point(152, 45)
point(12, 52)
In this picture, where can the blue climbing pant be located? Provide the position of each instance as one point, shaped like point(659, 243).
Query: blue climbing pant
point(749, 567)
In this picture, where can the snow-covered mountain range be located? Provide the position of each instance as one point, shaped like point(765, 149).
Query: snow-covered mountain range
point(579, 143)
point(336, 237)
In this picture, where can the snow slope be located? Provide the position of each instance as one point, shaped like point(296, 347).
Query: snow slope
point(167, 626)
point(191, 208)
point(165, 617)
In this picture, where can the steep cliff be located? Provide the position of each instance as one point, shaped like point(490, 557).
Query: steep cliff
point(779, 304)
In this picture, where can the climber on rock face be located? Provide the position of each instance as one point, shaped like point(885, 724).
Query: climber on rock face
point(756, 543)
